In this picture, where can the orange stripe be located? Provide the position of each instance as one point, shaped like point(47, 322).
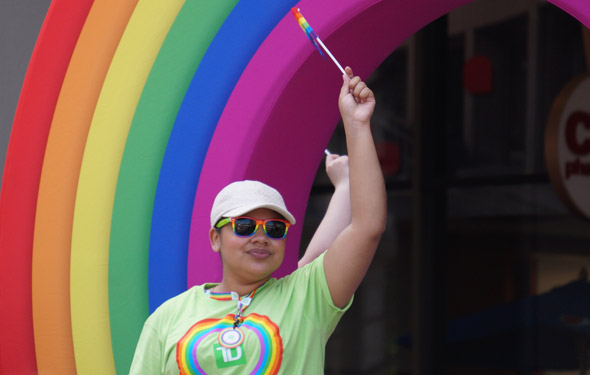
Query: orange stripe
point(59, 179)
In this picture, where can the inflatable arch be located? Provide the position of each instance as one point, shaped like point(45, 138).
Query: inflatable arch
point(133, 114)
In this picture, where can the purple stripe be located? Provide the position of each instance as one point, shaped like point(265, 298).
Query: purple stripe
point(194, 345)
point(263, 348)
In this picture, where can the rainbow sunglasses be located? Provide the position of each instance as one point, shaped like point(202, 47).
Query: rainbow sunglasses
point(244, 226)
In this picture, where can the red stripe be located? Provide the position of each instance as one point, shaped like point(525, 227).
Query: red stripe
point(22, 171)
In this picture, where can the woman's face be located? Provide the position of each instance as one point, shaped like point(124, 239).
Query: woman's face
point(249, 259)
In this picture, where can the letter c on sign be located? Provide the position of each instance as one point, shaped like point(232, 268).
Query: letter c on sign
point(571, 127)
point(567, 144)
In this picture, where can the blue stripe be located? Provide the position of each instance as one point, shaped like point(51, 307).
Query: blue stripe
point(221, 67)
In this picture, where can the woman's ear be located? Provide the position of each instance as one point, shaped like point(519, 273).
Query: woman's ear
point(215, 239)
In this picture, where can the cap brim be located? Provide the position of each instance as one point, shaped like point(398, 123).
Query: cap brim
point(238, 211)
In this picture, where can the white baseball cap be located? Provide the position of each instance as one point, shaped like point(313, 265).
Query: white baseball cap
point(241, 197)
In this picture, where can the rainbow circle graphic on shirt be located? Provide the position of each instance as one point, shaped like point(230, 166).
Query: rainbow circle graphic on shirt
point(267, 332)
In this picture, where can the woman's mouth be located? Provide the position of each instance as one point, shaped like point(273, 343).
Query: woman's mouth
point(259, 253)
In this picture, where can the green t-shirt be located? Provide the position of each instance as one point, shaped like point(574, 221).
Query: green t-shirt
point(285, 330)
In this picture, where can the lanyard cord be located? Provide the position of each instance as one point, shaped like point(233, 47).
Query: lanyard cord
point(242, 302)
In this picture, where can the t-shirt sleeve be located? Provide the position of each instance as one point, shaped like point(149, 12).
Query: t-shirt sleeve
point(311, 284)
point(148, 354)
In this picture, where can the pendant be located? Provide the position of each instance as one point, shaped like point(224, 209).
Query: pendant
point(231, 337)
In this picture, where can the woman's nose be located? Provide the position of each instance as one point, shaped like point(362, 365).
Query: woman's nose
point(259, 235)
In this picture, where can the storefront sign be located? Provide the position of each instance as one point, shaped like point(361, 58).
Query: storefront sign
point(567, 145)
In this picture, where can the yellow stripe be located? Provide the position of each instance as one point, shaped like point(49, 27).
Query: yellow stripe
point(88, 67)
point(114, 111)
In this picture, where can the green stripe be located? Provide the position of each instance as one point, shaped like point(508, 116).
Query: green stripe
point(189, 37)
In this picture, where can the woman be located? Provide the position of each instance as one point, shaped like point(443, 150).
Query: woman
point(251, 323)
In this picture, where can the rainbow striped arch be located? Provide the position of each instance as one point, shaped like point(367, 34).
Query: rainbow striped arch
point(131, 117)
point(254, 325)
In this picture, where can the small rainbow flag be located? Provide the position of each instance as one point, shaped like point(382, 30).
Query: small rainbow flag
point(313, 37)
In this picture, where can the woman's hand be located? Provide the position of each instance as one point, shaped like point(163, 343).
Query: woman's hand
point(337, 170)
point(356, 101)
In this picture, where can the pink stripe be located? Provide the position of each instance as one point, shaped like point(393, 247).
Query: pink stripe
point(579, 9)
point(283, 130)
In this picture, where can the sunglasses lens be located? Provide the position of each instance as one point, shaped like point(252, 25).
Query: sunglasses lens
point(275, 229)
point(244, 226)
